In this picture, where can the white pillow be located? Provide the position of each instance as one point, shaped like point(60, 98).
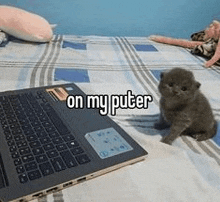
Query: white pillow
point(24, 25)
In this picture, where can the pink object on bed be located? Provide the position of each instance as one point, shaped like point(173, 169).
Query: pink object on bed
point(24, 25)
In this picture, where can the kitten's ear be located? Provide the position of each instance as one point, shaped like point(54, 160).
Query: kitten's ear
point(198, 84)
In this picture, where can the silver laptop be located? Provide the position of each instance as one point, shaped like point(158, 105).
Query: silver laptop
point(46, 147)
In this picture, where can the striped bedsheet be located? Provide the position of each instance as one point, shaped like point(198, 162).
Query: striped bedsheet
point(112, 66)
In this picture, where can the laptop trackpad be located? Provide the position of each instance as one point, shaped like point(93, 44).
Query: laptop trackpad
point(3, 176)
point(107, 142)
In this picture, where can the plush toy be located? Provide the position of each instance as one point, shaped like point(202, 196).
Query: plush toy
point(23, 25)
point(208, 43)
point(3, 38)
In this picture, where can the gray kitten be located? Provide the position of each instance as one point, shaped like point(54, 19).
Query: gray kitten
point(183, 107)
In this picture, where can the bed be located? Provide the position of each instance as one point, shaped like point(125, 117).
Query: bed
point(186, 171)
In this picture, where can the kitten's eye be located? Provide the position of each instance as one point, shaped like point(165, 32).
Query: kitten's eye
point(170, 84)
point(184, 88)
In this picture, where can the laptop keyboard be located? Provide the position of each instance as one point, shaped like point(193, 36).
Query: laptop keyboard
point(38, 140)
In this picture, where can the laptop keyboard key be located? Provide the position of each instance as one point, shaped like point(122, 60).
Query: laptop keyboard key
point(23, 178)
point(11, 143)
point(41, 134)
point(42, 117)
point(46, 169)
point(54, 134)
point(73, 144)
point(21, 144)
point(68, 159)
point(47, 124)
point(26, 126)
point(33, 175)
point(15, 155)
point(61, 147)
point(38, 128)
point(20, 169)
point(27, 158)
point(19, 137)
point(50, 129)
point(24, 151)
point(48, 147)
point(17, 162)
point(68, 138)
point(30, 166)
point(77, 150)
point(31, 138)
point(13, 148)
point(58, 164)
point(28, 132)
point(35, 123)
point(41, 158)
point(57, 140)
point(35, 144)
point(52, 154)
point(45, 140)
point(24, 121)
point(37, 151)
point(8, 137)
point(82, 159)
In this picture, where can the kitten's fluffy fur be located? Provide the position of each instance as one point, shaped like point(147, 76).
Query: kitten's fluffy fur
point(183, 107)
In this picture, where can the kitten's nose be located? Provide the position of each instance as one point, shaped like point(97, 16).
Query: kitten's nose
point(176, 91)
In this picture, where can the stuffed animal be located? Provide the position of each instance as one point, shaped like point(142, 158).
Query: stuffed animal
point(23, 25)
point(3, 38)
point(206, 42)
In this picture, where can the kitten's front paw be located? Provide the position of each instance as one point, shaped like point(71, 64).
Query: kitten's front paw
point(166, 140)
point(199, 137)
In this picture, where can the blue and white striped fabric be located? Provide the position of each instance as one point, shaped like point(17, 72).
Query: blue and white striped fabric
point(186, 171)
